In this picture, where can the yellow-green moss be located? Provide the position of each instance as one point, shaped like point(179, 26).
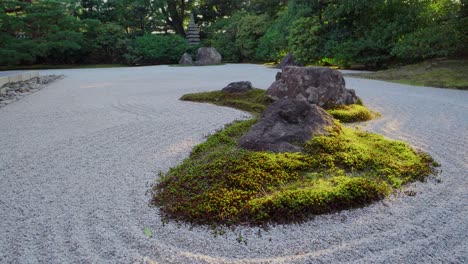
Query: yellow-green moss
point(255, 101)
point(351, 113)
point(220, 183)
point(443, 73)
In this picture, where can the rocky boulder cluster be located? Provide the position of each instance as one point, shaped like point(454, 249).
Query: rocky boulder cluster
point(205, 56)
point(11, 92)
point(297, 114)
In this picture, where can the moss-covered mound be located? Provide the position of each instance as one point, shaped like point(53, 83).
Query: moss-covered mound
point(255, 102)
point(220, 183)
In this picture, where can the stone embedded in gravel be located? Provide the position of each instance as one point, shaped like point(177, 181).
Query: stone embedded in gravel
point(238, 87)
point(285, 125)
point(208, 56)
point(288, 60)
point(11, 92)
point(317, 85)
point(186, 59)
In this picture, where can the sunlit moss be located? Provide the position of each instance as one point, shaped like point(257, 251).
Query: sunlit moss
point(221, 183)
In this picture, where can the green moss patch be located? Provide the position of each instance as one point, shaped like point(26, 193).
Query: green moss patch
point(352, 113)
point(256, 101)
point(442, 73)
point(253, 101)
point(221, 183)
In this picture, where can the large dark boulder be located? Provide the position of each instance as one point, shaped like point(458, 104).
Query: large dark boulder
point(285, 126)
point(186, 59)
point(208, 56)
point(317, 85)
point(288, 60)
point(238, 87)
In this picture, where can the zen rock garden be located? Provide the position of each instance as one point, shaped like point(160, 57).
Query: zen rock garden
point(293, 159)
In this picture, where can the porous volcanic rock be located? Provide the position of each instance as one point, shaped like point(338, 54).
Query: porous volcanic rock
point(186, 59)
point(285, 126)
point(238, 87)
point(317, 85)
point(208, 56)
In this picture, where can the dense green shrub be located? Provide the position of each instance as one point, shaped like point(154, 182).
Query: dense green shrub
point(249, 30)
point(274, 44)
point(223, 37)
point(106, 42)
point(237, 37)
point(304, 40)
point(437, 41)
point(157, 49)
point(20, 51)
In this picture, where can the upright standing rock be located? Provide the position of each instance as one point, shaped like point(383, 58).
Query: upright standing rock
point(208, 56)
point(193, 33)
point(288, 60)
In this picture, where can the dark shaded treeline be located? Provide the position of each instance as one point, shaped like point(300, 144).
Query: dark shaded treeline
point(340, 32)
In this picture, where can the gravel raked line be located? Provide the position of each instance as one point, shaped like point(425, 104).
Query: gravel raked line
point(77, 158)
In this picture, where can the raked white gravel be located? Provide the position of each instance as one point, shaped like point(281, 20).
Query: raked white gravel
point(77, 158)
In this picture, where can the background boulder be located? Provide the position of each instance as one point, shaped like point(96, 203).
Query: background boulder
point(288, 60)
point(208, 56)
point(317, 85)
point(186, 59)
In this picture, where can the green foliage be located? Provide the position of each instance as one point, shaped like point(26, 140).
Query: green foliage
point(48, 32)
point(249, 30)
point(221, 183)
point(442, 33)
point(254, 101)
point(108, 41)
point(16, 51)
point(304, 40)
point(274, 44)
point(157, 49)
point(237, 37)
point(343, 32)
